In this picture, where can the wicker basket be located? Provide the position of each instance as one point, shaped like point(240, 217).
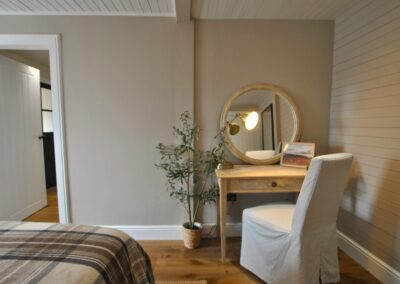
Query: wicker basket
point(191, 237)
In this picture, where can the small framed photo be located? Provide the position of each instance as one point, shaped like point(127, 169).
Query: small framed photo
point(297, 155)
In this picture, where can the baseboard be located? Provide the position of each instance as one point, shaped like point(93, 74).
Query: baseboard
point(380, 269)
point(172, 232)
point(29, 210)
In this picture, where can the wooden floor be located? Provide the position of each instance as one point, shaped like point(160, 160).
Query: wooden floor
point(48, 213)
point(171, 261)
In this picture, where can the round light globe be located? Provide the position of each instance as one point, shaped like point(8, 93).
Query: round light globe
point(251, 120)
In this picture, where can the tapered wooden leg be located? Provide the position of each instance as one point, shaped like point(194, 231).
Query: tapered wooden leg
point(222, 216)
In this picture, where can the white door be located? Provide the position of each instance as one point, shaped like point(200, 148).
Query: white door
point(22, 179)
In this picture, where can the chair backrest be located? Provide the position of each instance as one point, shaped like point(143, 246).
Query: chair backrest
point(321, 193)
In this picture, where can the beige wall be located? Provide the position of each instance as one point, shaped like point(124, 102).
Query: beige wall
point(125, 81)
point(286, 120)
point(295, 55)
point(365, 121)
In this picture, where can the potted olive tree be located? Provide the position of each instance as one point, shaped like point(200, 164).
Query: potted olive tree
point(190, 175)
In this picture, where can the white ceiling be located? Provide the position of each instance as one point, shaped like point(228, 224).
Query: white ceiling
point(165, 8)
point(200, 9)
point(270, 9)
point(39, 56)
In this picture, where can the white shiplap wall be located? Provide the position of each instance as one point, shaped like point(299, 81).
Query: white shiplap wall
point(365, 120)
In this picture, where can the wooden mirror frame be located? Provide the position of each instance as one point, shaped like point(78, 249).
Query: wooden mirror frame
point(253, 87)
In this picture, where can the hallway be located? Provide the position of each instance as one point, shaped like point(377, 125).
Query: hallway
point(48, 213)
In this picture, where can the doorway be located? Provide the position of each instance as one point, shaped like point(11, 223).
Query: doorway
point(267, 120)
point(51, 44)
point(25, 93)
point(48, 135)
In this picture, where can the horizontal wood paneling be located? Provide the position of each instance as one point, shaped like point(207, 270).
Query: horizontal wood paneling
point(368, 18)
point(365, 120)
point(369, 236)
point(366, 85)
point(387, 35)
point(384, 219)
point(344, 18)
point(366, 189)
point(389, 111)
point(283, 9)
point(389, 90)
point(349, 78)
point(368, 150)
point(368, 103)
point(391, 143)
point(379, 162)
point(89, 7)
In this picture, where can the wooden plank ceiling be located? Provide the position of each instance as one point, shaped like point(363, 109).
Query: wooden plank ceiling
point(164, 8)
point(200, 9)
point(270, 9)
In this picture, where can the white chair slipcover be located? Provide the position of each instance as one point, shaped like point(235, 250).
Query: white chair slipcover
point(287, 243)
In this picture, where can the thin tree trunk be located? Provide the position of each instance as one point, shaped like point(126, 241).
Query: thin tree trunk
point(188, 201)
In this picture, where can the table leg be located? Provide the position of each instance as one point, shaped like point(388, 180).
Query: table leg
point(222, 216)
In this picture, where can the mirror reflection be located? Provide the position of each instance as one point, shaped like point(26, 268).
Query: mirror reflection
point(258, 122)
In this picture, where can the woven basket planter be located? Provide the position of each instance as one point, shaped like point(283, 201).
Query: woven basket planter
point(191, 237)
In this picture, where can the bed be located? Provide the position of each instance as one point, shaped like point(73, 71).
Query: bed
point(60, 253)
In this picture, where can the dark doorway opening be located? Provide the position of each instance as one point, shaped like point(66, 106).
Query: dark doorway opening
point(48, 136)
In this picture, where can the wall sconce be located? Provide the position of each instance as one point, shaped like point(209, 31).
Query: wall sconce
point(248, 120)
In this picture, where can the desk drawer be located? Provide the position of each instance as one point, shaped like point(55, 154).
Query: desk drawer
point(265, 185)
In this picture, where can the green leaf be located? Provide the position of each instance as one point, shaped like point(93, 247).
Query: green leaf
point(190, 172)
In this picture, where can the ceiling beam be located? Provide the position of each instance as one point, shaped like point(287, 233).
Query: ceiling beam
point(183, 10)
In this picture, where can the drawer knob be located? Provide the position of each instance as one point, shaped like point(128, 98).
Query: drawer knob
point(274, 184)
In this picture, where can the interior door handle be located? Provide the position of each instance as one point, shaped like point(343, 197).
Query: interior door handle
point(41, 137)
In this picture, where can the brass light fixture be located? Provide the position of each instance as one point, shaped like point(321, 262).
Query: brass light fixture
point(234, 128)
point(249, 121)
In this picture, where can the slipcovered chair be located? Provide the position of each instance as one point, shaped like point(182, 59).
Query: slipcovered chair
point(297, 243)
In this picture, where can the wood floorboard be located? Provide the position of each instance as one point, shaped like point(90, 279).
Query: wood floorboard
point(48, 213)
point(171, 261)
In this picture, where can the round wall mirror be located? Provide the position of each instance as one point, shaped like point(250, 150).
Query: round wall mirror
point(257, 120)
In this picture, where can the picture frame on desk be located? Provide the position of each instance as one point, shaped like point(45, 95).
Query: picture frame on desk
point(297, 154)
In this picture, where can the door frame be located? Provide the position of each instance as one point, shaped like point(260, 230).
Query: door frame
point(52, 43)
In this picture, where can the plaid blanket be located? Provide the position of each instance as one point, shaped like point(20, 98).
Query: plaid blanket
point(59, 253)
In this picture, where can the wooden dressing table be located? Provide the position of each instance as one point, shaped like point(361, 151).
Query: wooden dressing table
point(254, 179)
